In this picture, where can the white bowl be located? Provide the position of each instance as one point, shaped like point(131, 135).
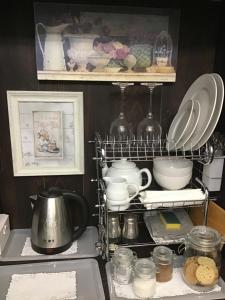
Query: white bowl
point(169, 166)
point(171, 182)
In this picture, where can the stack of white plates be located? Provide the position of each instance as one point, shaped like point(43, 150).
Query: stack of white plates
point(198, 114)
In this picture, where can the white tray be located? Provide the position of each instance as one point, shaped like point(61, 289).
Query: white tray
point(87, 274)
point(14, 246)
point(193, 296)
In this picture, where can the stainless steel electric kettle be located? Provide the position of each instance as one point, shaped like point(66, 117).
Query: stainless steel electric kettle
point(52, 225)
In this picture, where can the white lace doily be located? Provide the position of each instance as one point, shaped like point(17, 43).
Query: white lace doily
point(43, 286)
point(28, 251)
point(175, 287)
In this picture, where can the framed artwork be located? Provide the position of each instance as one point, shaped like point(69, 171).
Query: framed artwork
point(75, 42)
point(46, 131)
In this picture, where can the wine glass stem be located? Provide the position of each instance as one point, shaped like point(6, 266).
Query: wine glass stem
point(151, 88)
point(122, 99)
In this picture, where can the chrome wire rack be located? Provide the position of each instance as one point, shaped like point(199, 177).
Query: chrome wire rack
point(109, 150)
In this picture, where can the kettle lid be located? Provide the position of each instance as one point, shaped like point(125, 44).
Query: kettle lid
point(52, 192)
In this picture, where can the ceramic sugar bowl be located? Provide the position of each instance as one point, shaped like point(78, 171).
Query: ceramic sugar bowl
point(129, 171)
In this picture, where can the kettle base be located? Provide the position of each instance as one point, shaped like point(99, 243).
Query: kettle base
point(51, 251)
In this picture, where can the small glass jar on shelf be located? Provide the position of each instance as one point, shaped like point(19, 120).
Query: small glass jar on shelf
point(144, 278)
point(163, 259)
point(122, 264)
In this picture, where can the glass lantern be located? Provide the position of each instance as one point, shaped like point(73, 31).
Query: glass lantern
point(163, 48)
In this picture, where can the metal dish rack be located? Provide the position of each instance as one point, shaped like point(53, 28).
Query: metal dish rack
point(108, 150)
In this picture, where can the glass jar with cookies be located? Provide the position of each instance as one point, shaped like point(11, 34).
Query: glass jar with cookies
point(202, 258)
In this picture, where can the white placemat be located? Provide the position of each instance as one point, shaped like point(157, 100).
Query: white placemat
point(28, 250)
point(175, 287)
point(43, 286)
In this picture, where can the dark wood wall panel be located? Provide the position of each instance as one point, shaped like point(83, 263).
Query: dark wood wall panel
point(196, 55)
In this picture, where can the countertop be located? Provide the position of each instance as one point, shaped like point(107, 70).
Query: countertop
point(101, 263)
point(142, 252)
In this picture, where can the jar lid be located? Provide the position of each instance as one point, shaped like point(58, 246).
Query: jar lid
point(124, 164)
point(162, 254)
point(204, 236)
point(123, 254)
point(144, 267)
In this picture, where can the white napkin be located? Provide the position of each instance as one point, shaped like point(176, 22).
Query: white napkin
point(185, 197)
point(43, 286)
point(175, 287)
point(28, 250)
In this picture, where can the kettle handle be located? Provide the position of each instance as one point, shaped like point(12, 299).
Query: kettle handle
point(82, 202)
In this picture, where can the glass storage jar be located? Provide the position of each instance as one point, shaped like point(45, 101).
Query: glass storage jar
point(122, 265)
point(202, 258)
point(163, 259)
point(144, 278)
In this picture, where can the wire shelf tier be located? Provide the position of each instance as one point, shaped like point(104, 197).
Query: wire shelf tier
point(108, 150)
point(140, 150)
point(137, 206)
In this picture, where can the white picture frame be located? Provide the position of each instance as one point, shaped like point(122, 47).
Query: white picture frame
point(46, 132)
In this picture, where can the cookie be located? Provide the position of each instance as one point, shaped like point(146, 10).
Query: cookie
point(190, 271)
point(206, 275)
point(188, 261)
point(207, 261)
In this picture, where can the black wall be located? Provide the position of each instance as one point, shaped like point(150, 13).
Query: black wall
point(201, 50)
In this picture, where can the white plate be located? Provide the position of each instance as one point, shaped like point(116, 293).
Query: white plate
point(180, 124)
point(184, 127)
point(216, 114)
point(204, 90)
point(191, 127)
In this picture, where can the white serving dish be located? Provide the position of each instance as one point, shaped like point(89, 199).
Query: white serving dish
point(171, 182)
point(170, 166)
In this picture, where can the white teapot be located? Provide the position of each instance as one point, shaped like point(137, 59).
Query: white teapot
point(129, 171)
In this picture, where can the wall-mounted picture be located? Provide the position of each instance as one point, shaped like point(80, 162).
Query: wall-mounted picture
point(48, 134)
point(46, 131)
point(105, 43)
